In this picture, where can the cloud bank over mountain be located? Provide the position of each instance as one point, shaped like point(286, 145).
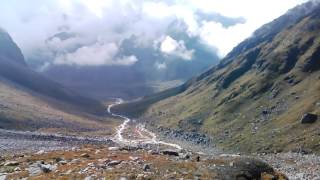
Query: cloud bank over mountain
point(56, 33)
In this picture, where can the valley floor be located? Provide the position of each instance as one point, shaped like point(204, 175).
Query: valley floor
point(30, 149)
point(134, 152)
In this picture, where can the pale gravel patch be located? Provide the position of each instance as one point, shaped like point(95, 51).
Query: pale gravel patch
point(296, 166)
point(25, 141)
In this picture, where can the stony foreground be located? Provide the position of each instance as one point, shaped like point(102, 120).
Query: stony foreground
point(41, 156)
point(103, 162)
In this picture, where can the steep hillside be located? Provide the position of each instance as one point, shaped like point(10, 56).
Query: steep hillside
point(254, 99)
point(22, 109)
point(30, 101)
point(9, 49)
point(13, 68)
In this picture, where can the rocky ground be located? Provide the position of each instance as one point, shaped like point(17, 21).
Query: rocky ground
point(295, 166)
point(50, 156)
point(20, 141)
point(106, 162)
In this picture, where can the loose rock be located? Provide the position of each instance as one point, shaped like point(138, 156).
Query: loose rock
point(11, 163)
point(146, 167)
point(170, 152)
point(309, 118)
point(113, 148)
point(85, 155)
point(46, 168)
point(114, 163)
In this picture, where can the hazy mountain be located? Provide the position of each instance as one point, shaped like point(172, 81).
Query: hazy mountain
point(254, 98)
point(9, 50)
point(127, 81)
point(29, 100)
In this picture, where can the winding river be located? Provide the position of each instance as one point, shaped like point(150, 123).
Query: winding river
point(144, 136)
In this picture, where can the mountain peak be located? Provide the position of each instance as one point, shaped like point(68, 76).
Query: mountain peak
point(9, 49)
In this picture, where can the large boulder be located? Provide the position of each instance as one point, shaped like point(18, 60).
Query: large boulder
point(309, 118)
point(243, 169)
point(170, 152)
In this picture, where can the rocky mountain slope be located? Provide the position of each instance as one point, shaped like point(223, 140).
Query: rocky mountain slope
point(254, 99)
point(30, 101)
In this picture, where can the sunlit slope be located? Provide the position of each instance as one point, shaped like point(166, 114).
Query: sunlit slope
point(254, 99)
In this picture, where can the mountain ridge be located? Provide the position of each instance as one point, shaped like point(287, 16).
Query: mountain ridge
point(260, 90)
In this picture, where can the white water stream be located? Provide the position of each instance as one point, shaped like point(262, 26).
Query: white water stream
point(145, 136)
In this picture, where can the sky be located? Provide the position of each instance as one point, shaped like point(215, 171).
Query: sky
point(91, 32)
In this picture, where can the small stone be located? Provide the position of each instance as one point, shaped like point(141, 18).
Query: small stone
point(265, 112)
point(91, 164)
point(40, 152)
point(309, 118)
point(75, 161)
point(134, 158)
point(85, 155)
point(146, 167)
point(11, 163)
point(46, 168)
point(198, 158)
point(58, 159)
point(170, 152)
point(63, 162)
point(113, 148)
point(184, 156)
point(114, 163)
point(17, 169)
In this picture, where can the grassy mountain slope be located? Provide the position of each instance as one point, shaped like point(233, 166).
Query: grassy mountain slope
point(22, 109)
point(254, 99)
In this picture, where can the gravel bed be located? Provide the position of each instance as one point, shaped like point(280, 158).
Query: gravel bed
point(19, 141)
point(295, 166)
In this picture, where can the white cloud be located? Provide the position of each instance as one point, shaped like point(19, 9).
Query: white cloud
point(160, 66)
point(224, 38)
point(97, 54)
point(256, 13)
point(157, 9)
point(172, 47)
point(111, 21)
